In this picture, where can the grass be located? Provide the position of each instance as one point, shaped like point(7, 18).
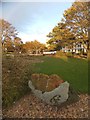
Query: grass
point(73, 70)
point(17, 71)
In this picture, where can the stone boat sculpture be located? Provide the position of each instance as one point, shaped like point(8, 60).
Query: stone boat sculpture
point(52, 89)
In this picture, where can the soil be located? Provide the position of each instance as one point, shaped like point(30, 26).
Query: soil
point(31, 107)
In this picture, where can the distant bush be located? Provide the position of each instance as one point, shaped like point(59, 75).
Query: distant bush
point(60, 54)
point(69, 54)
point(63, 55)
point(15, 77)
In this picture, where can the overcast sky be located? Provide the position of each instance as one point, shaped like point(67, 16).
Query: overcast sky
point(34, 20)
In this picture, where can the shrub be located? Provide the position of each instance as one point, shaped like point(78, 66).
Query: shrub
point(44, 82)
point(69, 54)
point(39, 81)
point(60, 54)
point(15, 77)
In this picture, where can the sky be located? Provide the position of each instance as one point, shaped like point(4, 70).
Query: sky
point(34, 20)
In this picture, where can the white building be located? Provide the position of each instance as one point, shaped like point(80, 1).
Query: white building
point(77, 48)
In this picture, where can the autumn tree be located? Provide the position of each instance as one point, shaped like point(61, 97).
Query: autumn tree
point(77, 19)
point(17, 43)
point(73, 28)
point(60, 36)
point(8, 45)
point(9, 38)
point(33, 47)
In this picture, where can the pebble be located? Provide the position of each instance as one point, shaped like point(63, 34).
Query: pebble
point(31, 107)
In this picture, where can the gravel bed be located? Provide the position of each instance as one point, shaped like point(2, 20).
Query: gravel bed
point(31, 107)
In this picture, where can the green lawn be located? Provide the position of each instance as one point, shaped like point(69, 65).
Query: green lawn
point(73, 70)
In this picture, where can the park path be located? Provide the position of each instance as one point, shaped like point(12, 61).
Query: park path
point(31, 107)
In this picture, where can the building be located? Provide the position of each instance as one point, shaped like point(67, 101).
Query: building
point(77, 48)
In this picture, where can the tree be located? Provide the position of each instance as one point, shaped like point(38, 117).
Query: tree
point(8, 33)
point(17, 44)
point(73, 28)
point(77, 19)
point(7, 45)
point(60, 36)
point(33, 47)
